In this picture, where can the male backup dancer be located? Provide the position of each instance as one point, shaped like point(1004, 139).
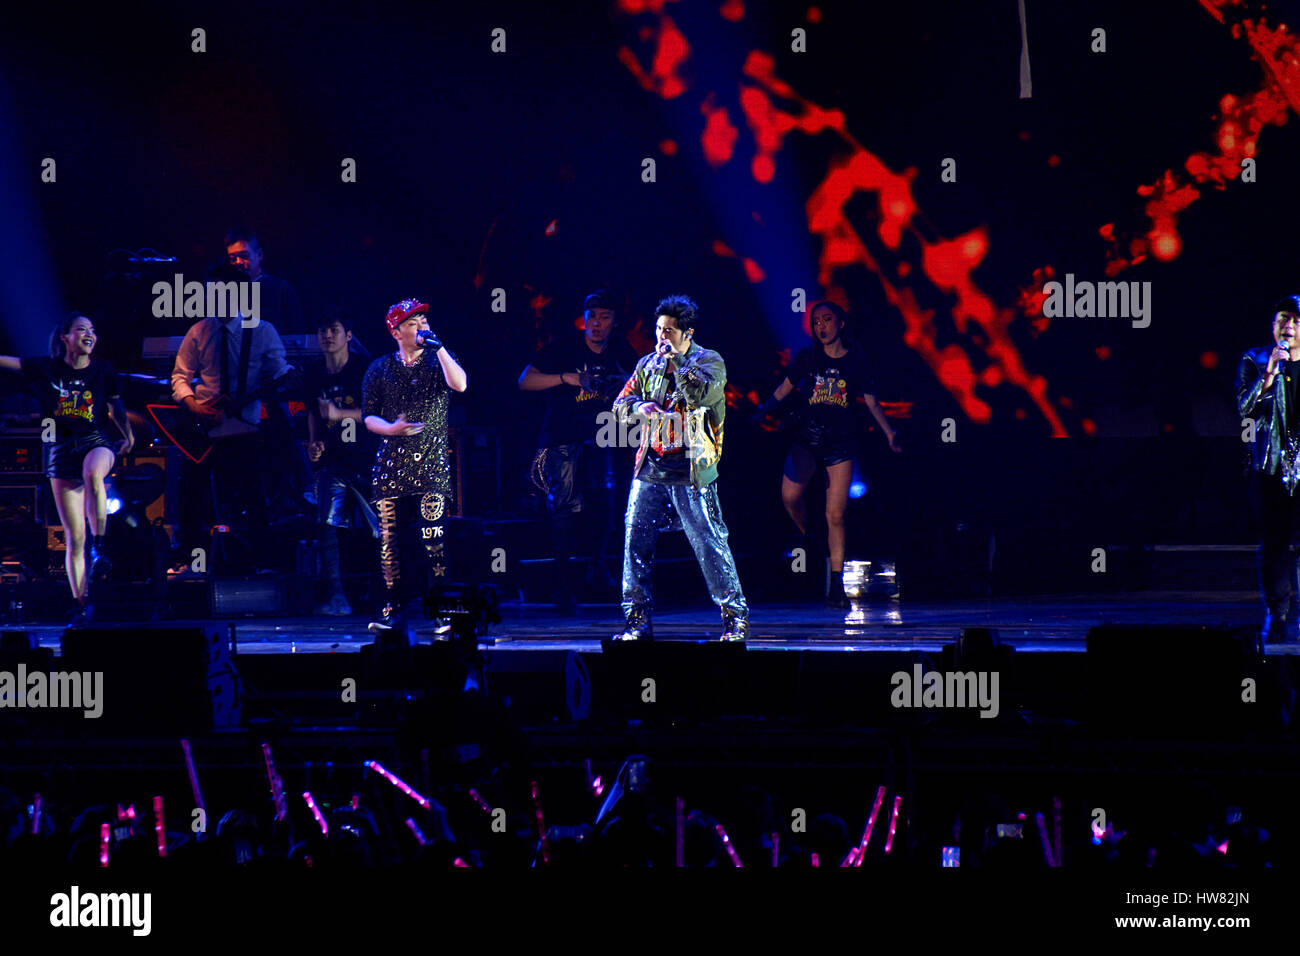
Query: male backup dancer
point(405, 399)
point(1268, 392)
point(344, 448)
point(580, 376)
point(679, 389)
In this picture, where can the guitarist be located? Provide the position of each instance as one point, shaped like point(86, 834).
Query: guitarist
point(1268, 393)
point(223, 368)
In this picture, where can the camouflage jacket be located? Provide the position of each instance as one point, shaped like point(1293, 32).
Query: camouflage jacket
point(698, 402)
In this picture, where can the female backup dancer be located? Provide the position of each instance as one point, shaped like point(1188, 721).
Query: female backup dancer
point(830, 376)
point(80, 396)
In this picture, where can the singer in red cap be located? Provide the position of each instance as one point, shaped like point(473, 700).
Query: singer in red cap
point(405, 396)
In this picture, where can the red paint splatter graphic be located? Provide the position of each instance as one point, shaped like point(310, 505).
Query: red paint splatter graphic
point(719, 136)
point(671, 51)
point(733, 10)
point(1240, 120)
point(985, 356)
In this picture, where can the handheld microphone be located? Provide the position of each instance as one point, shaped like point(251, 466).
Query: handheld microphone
point(428, 339)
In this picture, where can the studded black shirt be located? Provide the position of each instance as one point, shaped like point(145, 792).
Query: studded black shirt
point(409, 464)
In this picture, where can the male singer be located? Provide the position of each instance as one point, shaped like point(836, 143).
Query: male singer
point(679, 388)
point(1267, 392)
point(405, 396)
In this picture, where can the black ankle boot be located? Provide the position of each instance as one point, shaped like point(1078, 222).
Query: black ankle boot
point(100, 565)
point(835, 596)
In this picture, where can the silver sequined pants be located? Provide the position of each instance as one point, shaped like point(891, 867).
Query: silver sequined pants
point(652, 508)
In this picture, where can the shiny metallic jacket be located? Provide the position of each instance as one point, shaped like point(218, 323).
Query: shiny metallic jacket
point(699, 398)
point(1267, 408)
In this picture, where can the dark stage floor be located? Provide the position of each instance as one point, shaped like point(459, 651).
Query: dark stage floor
point(1040, 624)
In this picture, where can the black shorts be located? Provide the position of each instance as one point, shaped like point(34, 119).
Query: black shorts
point(64, 459)
point(826, 447)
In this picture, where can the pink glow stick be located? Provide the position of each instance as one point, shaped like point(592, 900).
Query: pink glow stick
point(356, 801)
point(159, 828)
point(194, 776)
point(871, 824)
point(459, 862)
point(103, 844)
point(277, 787)
point(1042, 838)
point(415, 830)
point(541, 823)
point(483, 804)
point(816, 860)
point(36, 813)
point(397, 782)
point(851, 859)
point(893, 823)
point(731, 850)
point(776, 849)
point(315, 812)
point(681, 833)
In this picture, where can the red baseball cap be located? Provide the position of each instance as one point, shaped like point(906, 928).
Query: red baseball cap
point(401, 311)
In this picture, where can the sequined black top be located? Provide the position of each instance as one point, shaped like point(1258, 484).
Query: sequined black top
point(409, 464)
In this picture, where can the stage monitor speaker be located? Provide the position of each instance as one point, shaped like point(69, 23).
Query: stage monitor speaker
point(1175, 681)
point(660, 681)
point(541, 686)
point(167, 682)
point(248, 597)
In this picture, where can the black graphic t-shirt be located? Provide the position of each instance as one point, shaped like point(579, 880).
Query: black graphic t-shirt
point(829, 389)
point(572, 411)
point(77, 399)
point(344, 390)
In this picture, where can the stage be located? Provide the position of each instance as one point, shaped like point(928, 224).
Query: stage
point(1040, 624)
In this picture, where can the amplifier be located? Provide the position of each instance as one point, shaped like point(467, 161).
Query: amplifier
point(20, 452)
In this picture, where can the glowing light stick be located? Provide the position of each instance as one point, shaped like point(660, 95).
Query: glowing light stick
point(1042, 838)
point(726, 843)
point(871, 825)
point(103, 844)
point(893, 824)
point(415, 830)
point(36, 813)
point(315, 812)
point(541, 823)
point(159, 828)
point(459, 862)
point(194, 776)
point(397, 782)
point(816, 860)
point(277, 787)
point(483, 804)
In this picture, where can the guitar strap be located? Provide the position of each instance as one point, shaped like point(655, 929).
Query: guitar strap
point(245, 348)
